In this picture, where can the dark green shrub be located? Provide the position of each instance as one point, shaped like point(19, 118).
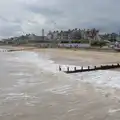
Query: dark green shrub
point(80, 41)
point(98, 43)
point(64, 41)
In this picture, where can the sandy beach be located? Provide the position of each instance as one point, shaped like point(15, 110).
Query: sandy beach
point(74, 56)
point(81, 57)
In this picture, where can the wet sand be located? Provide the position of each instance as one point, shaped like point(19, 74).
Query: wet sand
point(81, 57)
point(74, 56)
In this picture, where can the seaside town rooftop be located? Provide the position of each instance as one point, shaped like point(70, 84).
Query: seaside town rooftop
point(74, 35)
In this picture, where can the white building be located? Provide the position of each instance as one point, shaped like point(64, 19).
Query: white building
point(75, 34)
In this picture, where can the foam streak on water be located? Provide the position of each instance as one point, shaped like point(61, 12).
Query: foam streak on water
point(31, 85)
point(102, 78)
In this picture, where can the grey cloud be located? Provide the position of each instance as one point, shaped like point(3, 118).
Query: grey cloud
point(8, 28)
point(10, 31)
point(45, 11)
point(3, 19)
point(83, 14)
point(58, 14)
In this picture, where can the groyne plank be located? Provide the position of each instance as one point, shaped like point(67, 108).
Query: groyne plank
point(88, 69)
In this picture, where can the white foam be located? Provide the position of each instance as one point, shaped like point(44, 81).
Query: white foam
point(36, 59)
point(99, 78)
point(111, 111)
point(16, 96)
point(42, 61)
point(64, 89)
point(20, 74)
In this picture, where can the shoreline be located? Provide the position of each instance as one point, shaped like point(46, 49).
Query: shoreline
point(79, 56)
point(75, 49)
point(76, 57)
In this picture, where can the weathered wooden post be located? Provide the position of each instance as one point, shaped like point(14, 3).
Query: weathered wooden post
point(88, 67)
point(67, 69)
point(107, 66)
point(74, 68)
point(60, 68)
point(82, 68)
point(95, 67)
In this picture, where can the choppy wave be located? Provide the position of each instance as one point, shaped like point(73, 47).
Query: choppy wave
point(99, 78)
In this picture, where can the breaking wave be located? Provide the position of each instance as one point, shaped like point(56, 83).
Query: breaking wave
point(99, 78)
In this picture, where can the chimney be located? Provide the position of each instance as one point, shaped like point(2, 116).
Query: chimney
point(43, 33)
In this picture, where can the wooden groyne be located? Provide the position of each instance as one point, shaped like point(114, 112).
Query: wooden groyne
point(13, 50)
point(8, 50)
point(88, 69)
point(4, 50)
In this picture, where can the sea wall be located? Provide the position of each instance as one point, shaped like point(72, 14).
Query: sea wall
point(74, 45)
point(62, 45)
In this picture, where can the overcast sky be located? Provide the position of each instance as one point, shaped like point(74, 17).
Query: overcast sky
point(30, 16)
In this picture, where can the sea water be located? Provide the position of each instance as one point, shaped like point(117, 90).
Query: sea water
point(31, 87)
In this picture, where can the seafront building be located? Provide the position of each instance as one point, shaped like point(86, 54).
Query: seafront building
point(75, 34)
point(64, 36)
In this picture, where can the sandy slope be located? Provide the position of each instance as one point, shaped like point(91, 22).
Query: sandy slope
point(82, 57)
point(76, 56)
